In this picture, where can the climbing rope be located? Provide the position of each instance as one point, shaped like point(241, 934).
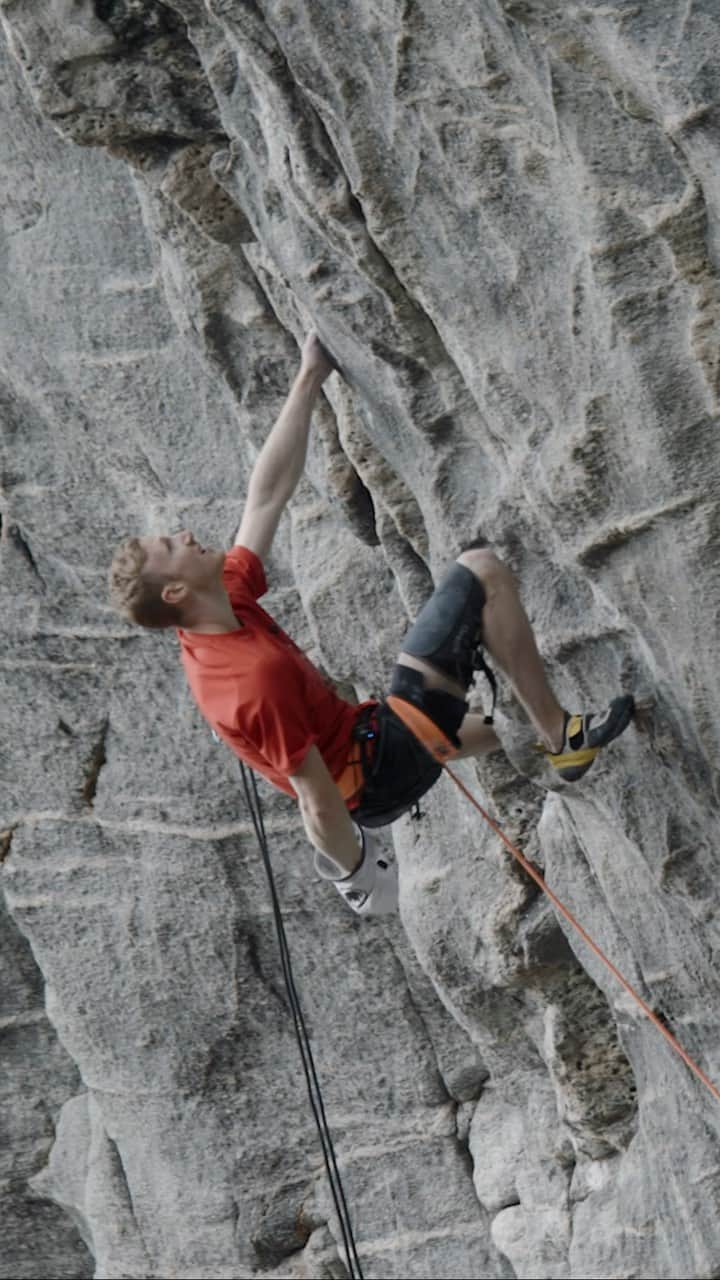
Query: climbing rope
point(564, 911)
point(313, 1085)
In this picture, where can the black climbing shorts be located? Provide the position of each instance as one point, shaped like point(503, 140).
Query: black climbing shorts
point(398, 772)
point(447, 632)
point(448, 629)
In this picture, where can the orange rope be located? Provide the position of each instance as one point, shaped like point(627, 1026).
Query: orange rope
point(535, 874)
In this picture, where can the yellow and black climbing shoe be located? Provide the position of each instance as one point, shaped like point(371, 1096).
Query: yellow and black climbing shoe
point(586, 734)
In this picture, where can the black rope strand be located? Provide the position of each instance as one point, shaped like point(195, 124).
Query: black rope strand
point(316, 1098)
point(314, 1092)
point(313, 1084)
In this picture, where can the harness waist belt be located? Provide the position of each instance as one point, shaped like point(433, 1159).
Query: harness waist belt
point(351, 782)
point(426, 731)
point(352, 779)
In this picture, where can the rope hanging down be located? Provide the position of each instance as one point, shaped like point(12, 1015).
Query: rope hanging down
point(313, 1085)
point(535, 874)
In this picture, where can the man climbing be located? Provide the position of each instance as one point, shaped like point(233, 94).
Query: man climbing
point(261, 694)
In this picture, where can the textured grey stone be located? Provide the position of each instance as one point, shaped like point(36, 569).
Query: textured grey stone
point(37, 1078)
point(504, 221)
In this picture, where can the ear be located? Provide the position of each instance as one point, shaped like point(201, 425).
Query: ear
point(174, 593)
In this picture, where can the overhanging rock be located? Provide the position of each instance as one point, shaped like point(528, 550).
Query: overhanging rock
point(503, 219)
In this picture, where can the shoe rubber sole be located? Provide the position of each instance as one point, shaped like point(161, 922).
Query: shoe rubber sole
point(586, 735)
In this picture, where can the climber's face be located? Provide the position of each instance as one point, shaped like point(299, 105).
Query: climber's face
point(183, 563)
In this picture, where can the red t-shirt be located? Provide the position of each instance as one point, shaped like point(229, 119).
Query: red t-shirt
point(259, 691)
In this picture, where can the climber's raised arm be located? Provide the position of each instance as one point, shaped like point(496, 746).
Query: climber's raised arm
point(281, 460)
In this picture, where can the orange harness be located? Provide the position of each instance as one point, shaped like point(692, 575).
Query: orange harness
point(425, 729)
point(352, 778)
point(351, 781)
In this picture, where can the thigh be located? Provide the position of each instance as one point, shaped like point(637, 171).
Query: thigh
point(442, 641)
point(433, 676)
point(477, 737)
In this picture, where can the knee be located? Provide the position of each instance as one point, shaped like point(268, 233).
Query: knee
point(486, 566)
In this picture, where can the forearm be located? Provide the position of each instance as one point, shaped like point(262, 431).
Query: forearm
point(332, 832)
point(281, 460)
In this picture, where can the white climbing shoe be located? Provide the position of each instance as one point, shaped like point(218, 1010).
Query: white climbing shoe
point(372, 889)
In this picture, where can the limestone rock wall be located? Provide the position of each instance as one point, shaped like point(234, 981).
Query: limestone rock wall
point(503, 219)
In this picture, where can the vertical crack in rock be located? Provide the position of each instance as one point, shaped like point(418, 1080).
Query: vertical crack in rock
point(189, 183)
point(219, 339)
point(22, 545)
point(124, 1189)
point(595, 1083)
point(391, 497)
point(6, 838)
point(360, 508)
point(265, 46)
point(144, 468)
point(253, 954)
point(97, 759)
point(419, 321)
point(40, 1234)
point(443, 426)
point(686, 231)
point(419, 1015)
point(413, 578)
point(383, 273)
point(344, 477)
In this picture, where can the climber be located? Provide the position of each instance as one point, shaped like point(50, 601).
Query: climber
point(351, 768)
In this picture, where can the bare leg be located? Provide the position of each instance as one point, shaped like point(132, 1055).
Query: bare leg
point(477, 738)
point(509, 639)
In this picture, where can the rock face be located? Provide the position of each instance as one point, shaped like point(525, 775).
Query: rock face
point(503, 218)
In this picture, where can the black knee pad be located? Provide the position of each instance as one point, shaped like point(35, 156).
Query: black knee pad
point(448, 629)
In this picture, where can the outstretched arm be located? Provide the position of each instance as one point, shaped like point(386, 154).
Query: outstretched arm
point(281, 460)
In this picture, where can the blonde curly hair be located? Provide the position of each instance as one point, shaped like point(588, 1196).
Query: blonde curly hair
point(136, 593)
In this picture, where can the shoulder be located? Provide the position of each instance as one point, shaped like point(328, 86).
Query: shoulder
point(243, 572)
